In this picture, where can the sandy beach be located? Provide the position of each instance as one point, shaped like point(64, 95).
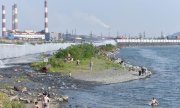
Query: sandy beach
point(109, 76)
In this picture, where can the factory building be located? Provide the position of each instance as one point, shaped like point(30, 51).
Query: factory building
point(54, 37)
point(25, 35)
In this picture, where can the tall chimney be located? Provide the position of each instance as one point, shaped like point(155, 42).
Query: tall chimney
point(15, 17)
point(12, 17)
point(46, 17)
point(3, 22)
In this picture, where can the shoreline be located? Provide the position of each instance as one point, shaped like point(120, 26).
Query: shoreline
point(55, 83)
point(34, 82)
point(112, 76)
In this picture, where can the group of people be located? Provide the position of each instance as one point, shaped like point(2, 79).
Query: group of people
point(45, 102)
point(142, 71)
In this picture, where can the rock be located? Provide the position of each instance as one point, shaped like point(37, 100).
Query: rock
point(42, 88)
point(15, 70)
point(34, 100)
point(39, 99)
point(73, 86)
point(30, 74)
point(1, 76)
point(60, 99)
point(14, 98)
point(29, 93)
point(18, 81)
point(65, 98)
point(25, 100)
point(28, 101)
point(53, 94)
point(40, 94)
point(20, 88)
point(11, 92)
point(118, 60)
point(49, 88)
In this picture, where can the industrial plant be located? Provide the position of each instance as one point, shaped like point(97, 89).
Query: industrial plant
point(17, 34)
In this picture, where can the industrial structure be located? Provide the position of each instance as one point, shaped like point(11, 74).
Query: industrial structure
point(4, 31)
point(15, 33)
point(46, 17)
point(14, 18)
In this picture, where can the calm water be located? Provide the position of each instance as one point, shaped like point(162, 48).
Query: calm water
point(164, 84)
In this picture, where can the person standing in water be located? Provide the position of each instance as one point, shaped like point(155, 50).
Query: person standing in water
point(154, 102)
point(45, 100)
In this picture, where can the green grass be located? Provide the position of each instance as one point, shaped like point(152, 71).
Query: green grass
point(58, 65)
point(6, 86)
point(6, 103)
point(22, 79)
point(83, 52)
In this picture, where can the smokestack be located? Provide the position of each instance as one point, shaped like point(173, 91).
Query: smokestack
point(3, 21)
point(12, 17)
point(15, 17)
point(46, 17)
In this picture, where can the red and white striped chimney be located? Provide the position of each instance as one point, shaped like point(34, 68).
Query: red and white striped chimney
point(46, 17)
point(3, 21)
point(12, 17)
point(15, 17)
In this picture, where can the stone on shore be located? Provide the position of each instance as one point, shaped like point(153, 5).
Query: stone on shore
point(65, 98)
point(20, 88)
point(14, 98)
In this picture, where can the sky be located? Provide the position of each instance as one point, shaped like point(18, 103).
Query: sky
point(127, 17)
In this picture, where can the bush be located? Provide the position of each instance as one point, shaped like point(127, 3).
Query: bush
point(107, 47)
point(81, 51)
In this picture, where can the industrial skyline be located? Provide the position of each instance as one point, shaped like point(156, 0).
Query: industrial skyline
point(16, 33)
point(8, 31)
point(126, 17)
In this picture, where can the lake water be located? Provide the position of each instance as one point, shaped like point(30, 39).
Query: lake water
point(164, 84)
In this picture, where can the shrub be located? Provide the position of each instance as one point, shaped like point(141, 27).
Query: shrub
point(81, 51)
point(107, 47)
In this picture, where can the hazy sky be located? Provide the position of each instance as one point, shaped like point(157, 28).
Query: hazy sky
point(128, 17)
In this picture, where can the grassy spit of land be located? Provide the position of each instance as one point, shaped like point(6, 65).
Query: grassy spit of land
point(66, 60)
point(106, 67)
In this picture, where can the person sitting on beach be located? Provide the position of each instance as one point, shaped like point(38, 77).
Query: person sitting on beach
point(154, 102)
point(143, 70)
point(70, 74)
point(78, 62)
point(36, 105)
point(45, 100)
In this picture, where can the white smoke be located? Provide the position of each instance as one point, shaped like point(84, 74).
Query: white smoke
point(90, 19)
point(99, 22)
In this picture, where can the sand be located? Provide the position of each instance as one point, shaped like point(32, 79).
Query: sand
point(109, 76)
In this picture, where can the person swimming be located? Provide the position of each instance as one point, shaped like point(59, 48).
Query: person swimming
point(154, 102)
